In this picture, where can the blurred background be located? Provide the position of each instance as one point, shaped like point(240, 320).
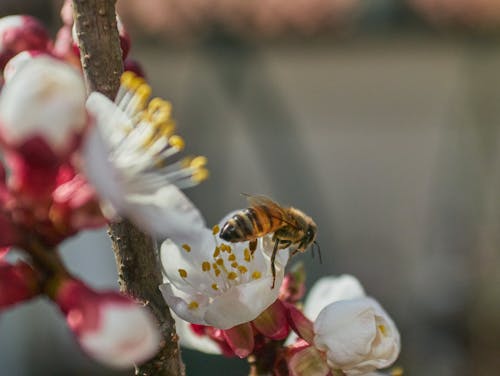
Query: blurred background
point(380, 119)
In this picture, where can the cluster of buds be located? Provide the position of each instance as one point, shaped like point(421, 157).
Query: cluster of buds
point(338, 331)
point(72, 163)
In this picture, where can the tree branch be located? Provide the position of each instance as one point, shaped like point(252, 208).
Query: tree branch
point(136, 257)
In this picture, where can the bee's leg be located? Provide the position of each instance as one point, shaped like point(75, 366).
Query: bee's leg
point(273, 258)
point(252, 245)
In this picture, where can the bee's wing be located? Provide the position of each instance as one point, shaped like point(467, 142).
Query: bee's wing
point(276, 209)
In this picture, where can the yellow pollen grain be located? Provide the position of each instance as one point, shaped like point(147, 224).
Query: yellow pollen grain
point(217, 272)
point(193, 305)
point(177, 142)
point(216, 252)
point(247, 255)
point(256, 275)
point(214, 286)
point(186, 247)
point(205, 266)
point(219, 261)
point(198, 162)
point(234, 264)
point(242, 269)
point(232, 257)
point(232, 276)
point(183, 273)
point(215, 231)
point(382, 329)
point(200, 175)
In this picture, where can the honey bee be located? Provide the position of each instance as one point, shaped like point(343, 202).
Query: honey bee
point(291, 227)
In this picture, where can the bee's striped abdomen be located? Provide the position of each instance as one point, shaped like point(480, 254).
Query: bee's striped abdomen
point(250, 224)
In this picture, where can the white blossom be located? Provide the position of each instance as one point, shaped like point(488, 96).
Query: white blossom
point(357, 335)
point(127, 158)
point(219, 284)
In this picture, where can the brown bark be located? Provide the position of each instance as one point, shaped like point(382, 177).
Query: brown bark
point(136, 257)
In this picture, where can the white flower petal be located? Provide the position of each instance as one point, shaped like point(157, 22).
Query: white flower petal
point(126, 335)
point(331, 289)
point(166, 212)
point(179, 302)
point(242, 303)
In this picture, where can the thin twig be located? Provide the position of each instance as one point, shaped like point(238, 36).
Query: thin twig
point(136, 257)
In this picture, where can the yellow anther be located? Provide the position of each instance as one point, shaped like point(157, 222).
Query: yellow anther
point(160, 116)
point(155, 104)
point(382, 329)
point(219, 261)
point(232, 276)
point(231, 257)
point(256, 275)
point(205, 266)
point(199, 161)
point(127, 78)
point(214, 286)
point(143, 92)
point(193, 305)
point(242, 269)
point(225, 248)
point(200, 175)
point(234, 264)
point(397, 371)
point(247, 255)
point(186, 247)
point(216, 252)
point(183, 273)
point(136, 82)
point(217, 272)
point(215, 231)
point(166, 128)
point(176, 142)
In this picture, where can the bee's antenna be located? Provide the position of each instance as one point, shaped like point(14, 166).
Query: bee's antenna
point(319, 251)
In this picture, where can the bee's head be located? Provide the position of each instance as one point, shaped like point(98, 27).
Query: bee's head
point(310, 234)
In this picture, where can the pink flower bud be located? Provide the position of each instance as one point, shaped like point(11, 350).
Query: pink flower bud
point(21, 33)
point(124, 38)
point(46, 99)
point(75, 204)
point(18, 61)
point(18, 283)
point(300, 323)
point(132, 65)
point(273, 322)
point(109, 327)
point(293, 287)
point(307, 361)
point(240, 339)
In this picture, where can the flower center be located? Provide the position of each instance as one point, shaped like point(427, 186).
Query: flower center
point(225, 268)
point(145, 140)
